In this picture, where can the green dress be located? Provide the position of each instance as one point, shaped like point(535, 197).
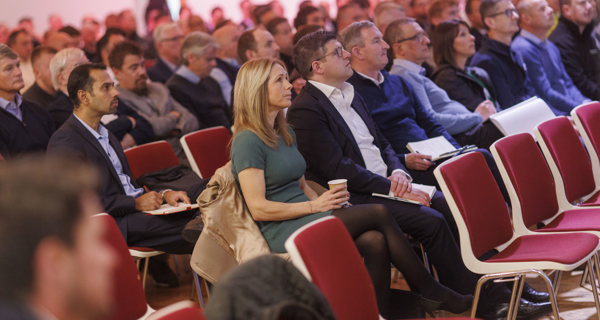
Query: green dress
point(283, 168)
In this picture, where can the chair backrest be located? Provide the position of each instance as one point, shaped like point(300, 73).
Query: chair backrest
point(567, 158)
point(477, 205)
point(183, 310)
point(128, 293)
point(324, 251)
point(587, 119)
point(527, 178)
point(150, 157)
point(207, 150)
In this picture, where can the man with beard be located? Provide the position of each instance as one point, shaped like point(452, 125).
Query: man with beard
point(151, 100)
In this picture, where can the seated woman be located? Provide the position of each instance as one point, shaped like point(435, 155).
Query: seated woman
point(453, 45)
point(270, 171)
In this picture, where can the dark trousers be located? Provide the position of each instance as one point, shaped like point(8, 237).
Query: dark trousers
point(482, 135)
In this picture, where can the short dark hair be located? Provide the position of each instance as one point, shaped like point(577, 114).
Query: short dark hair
point(12, 37)
point(39, 51)
point(259, 11)
point(80, 79)
point(304, 30)
point(103, 42)
point(487, 8)
point(271, 26)
point(70, 30)
point(438, 6)
point(49, 191)
point(246, 42)
point(302, 16)
point(442, 39)
point(309, 48)
point(118, 53)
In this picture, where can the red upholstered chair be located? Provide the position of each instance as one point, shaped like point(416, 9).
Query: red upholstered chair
point(587, 120)
point(207, 150)
point(183, 310)
point(150, 157)
point(484, 224)
point(569, 163)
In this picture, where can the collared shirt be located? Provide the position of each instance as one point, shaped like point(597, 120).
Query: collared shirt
point(188, 74)
point(102, 136)
point(410, 66)
point(533, 38)
point(342, 101)
point(223, 80)
point(13, 107)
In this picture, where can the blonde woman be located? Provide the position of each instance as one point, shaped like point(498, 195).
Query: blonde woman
point(270, 171)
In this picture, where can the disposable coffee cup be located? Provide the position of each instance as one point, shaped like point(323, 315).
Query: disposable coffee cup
point(339, 182)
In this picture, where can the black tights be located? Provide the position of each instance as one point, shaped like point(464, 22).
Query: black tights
point(380, 240)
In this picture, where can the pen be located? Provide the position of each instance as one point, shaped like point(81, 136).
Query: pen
point(429, 160)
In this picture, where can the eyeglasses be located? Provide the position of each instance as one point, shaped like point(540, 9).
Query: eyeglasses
point(420, 36)
point(338, 51)
point(508, 12)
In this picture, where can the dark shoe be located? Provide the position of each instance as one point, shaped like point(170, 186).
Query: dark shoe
point(451, 301)
point(533, 295)
point(192, 230)
point(162, 274)
point(527, 310)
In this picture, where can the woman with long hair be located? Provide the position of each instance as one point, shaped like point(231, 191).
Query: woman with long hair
point(453, 45)
point(270, 171)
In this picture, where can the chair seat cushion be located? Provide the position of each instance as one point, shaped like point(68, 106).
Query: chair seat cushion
point(575, 220)
point(566, 248)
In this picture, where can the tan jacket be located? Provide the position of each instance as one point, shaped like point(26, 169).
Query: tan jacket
point(230, 235)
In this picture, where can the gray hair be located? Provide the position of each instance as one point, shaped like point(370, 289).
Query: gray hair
point(159, 31)
point(60, 61)
point(197, 43)
point(351, 36)
point(7, 52)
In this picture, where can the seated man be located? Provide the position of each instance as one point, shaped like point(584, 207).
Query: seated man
point(228, 65)
point(92, 92)
point(280, 28)
point(192, 85)
point(42, 91)
point(544, 66)
point(257, 43)
point(504, 66)
point(151, 100)
point(65, 269)
point(167, 41)
point(339, 139)
point(26, 127)
point(104, 46)
point(465, 126)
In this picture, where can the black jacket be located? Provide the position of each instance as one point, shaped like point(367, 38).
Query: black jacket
point(461, 87)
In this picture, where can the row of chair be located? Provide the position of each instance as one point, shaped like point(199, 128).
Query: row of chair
point(553, 194)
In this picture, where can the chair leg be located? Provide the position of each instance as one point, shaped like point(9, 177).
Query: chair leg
point(551, 292)
point(515, 297)
point(198, 289)
point(584, 277)
point(146, 262)
point(594, 271)
point(556, 280)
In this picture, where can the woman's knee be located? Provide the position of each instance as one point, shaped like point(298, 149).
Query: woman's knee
point(371, 242)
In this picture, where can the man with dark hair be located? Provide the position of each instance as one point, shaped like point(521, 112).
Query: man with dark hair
point(74, 34)
point(282, 33)
point(42, 91)
point(544, 66)
point(348, 13)
point(227, 60)
point(477, 29)
point(59, 40)
point(104, 46)
point(20, 41)
point(440, 11)
point(26, 127)
point(192, 85)
point(466, 127)
point(93, 94)
point(152, 100)
point(263, 14)
point(308, 15)
point(64, 269)
point(257, 43)
point(167, 41)
point(504, 66)
point(574, 38)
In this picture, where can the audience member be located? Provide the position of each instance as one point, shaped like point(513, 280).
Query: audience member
point(386, 12)
point(477, 28)
point(196, 23)
point(452, 47)
point(192, 85)
point(270, 172)
point(55, 22)
point(308, 15)
point(20, 41)
point(263, 14)
point(246, 7)
point(42, 91)
point(466, 127)
point(504, 66)
point(441, 10)
point(418, 10)
point(27, 24)
point(111, 21)
point(104, 46)
point(573, 37)
point(167, 40)
point(26, 127)
point(216, 16)
point(55, 263)
point(89, 34)
point(156, 18)
point(257, 43)
point(61, 66)
point(282, 33)
point(92, 92)
point(74, 34)
point(4, 33)
point(348, 13)
point(151, 100)
point(128, 24)
point(59, 40)
point(228, 65)
point(544, 66)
